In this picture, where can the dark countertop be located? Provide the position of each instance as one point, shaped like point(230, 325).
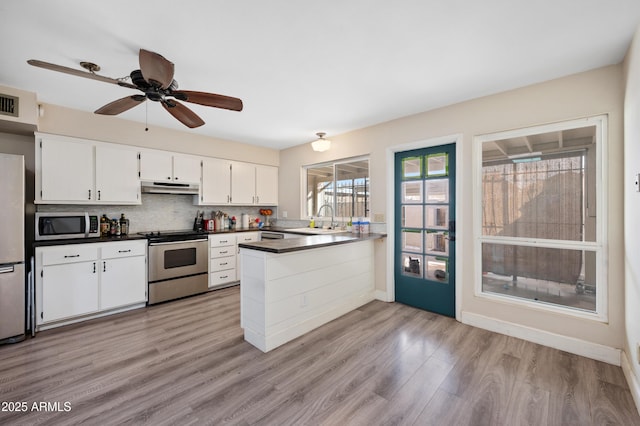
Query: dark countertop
point(308, 242)
point(318, 242)
point(131, 237)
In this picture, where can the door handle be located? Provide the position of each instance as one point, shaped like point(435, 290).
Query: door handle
point(452, 230)
point(6, 269)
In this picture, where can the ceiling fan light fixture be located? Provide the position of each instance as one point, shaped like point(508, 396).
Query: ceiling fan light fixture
point(321, 144)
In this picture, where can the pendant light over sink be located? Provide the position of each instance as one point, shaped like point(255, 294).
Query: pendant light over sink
point(321, 144)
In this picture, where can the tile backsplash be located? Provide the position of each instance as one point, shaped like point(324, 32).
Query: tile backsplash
point(158, 212)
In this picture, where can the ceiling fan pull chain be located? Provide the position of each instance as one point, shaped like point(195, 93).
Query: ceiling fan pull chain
point(146, 117)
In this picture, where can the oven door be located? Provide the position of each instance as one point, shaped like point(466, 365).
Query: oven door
point(177, 259)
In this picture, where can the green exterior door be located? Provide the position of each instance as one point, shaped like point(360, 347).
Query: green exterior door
point(425, 218)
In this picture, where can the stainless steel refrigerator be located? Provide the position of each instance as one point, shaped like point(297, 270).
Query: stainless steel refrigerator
point(12, 249)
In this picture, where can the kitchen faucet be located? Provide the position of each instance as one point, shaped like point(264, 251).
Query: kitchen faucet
point(332, 213)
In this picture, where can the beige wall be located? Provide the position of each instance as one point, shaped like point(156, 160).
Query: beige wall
point(69, 122)
point(591, 93)
point(632, 207)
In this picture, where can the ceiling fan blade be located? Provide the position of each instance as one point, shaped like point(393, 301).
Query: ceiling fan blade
point(209, 99)
point(183, 114)
point(121, 105)
point(156, 69)
point(72, 71)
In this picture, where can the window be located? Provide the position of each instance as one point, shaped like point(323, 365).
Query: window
point(340, 189)
point(540, 233)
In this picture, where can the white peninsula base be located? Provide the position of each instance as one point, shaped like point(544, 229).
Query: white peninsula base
point(285, 295)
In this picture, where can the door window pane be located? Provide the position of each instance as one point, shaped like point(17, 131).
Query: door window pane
point(412, 192)
point(436, 242)
point(411, 168)
point(437, 165)
point(412, 216)
point(436, 217)
point(436, 191)
point(436, 268)
point(412, 240)
point(411, 265)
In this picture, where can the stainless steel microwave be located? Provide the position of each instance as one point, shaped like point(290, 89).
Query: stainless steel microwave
point(65, 225)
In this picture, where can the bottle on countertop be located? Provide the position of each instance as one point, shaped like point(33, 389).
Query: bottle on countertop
point(104, 226)
point(312, 223)
point(124, 225)
point(118, 231)
point(112, 228)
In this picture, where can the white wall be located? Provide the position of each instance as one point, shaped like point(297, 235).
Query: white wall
point(69, 122)
point(631, 223)
point(591, 93)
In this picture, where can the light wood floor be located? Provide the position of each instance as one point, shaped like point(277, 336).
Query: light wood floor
point(185, 362)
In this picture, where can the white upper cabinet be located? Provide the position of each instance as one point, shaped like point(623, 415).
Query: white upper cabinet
point(243, 183)
point(266, 185)
point(117, 175)
point(164, 166)
point(66, 170)
point(78, 171)
point(216, 182)
point(234, 182)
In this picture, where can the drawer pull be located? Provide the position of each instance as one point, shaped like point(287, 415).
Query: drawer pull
point(224, 252)
point(224, 276)
point(224, 241)
point(224, 263)
point(67, 256)
point(124, 251)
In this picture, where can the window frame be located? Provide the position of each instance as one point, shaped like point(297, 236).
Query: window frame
point(304, 214)
point(599, 246)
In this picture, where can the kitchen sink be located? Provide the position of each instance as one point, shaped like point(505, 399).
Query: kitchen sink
point(316, 231)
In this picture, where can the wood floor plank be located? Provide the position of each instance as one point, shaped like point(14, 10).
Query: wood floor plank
point(186, 362)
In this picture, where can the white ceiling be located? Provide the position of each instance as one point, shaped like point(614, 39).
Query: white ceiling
point(302, 67)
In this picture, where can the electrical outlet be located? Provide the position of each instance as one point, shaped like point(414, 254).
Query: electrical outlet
point(378, 217)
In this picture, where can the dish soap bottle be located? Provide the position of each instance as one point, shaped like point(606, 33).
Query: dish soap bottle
point(312, 223)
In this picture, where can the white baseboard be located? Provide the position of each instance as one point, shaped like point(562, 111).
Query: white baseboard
point(382, 295)
point(632, 380)
point(553, 340)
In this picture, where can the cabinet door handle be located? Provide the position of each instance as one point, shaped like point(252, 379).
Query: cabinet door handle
point(89, 194)
point(257, 199)
point(94, 267)
point(124, 251)
point(104, 266)
point(228, 199)
point(169, 177)
point(98, 195)
point(67, 256)
point(176, 178)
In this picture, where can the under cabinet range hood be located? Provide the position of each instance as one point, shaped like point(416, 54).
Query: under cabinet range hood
point(169, 188)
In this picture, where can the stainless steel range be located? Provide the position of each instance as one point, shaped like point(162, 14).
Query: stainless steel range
point(178, 264)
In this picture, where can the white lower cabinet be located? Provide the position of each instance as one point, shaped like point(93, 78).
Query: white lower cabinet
point(222, 260)
point(75, 282)
point(69, 290)
point(123, 268)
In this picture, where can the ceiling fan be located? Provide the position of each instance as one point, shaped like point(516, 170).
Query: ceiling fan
point(155, 80)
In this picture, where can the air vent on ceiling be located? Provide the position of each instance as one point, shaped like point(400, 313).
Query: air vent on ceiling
point(8, 105)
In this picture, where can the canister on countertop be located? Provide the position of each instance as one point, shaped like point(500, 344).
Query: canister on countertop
point(244, 224)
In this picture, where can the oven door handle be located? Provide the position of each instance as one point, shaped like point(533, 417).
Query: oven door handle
point(178, 242)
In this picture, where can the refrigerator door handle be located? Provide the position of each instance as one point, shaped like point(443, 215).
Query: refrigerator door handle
point(6, 269)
